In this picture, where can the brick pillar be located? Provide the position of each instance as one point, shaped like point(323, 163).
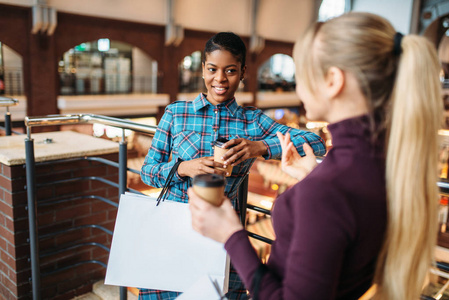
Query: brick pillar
point(14, 250)
point(14, 247)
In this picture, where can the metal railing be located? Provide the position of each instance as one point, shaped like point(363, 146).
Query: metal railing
point(7, 102)
point(87, 119)
point(31, 183)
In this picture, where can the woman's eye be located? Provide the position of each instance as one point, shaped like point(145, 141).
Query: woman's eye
point(211, 69)
point(230, 71)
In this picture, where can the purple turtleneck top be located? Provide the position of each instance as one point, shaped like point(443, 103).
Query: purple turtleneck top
point(329, 227)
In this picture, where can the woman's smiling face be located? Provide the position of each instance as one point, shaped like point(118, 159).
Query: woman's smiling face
point(222, 74)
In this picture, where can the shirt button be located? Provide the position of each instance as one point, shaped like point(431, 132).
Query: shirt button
point(216, 112)
point(215, 130)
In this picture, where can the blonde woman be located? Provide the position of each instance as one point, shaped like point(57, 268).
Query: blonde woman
point(367, 213)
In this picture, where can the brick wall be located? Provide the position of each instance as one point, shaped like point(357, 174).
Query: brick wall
point(14, 247)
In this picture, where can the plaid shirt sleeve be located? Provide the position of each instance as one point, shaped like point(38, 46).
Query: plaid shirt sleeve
point(157, 166)
point(298, 137)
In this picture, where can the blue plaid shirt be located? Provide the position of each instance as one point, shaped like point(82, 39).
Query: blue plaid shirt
point(189, 129)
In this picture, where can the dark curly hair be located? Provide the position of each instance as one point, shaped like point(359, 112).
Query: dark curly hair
point(227, 41)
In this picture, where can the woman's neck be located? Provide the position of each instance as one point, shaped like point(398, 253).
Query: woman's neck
point(343, 111)
point(349, 103)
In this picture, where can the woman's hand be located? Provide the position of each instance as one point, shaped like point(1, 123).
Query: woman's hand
point(242, 149)
point(217, 223)
point(202, 165)
point(292, 163)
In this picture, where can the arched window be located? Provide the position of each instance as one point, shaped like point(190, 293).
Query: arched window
point(11, 74)
point(107, 67)
point(277, 74)
point(11, 82)
point(332, 8)
point(190, 74)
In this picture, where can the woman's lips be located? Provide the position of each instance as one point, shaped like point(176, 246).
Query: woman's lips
point(220, 90)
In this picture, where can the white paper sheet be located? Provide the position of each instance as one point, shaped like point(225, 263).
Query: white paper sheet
point(155, 247)
point(203, 289)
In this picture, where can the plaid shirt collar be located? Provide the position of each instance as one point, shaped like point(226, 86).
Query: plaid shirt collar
point(201, 102)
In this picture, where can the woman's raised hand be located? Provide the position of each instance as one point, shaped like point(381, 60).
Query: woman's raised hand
point(202, 165)
point(217, 223)
point(292, 163)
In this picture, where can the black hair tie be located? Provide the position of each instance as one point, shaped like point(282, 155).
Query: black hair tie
point(397, 49)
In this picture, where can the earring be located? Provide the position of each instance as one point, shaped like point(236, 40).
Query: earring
point(202, 77)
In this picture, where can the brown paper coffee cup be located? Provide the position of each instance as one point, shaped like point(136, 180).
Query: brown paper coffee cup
point(210, 187)
point(219, 152)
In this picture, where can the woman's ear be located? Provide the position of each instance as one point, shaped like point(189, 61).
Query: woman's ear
point(335, 81)
point(242, 76)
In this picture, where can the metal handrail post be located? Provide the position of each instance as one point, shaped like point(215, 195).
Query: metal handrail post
point(7, 102)
point(8, 130)
point(122, 180)
point(122, 164)
point(243, 199)
point(32, 219)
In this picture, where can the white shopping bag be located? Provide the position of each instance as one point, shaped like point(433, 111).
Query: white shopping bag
point(202, 289)
point(155, 247)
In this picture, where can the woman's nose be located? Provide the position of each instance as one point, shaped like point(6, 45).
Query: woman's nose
point(220, 76)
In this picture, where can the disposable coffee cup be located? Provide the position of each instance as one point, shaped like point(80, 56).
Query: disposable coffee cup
point(219, 151)
point(210, 187)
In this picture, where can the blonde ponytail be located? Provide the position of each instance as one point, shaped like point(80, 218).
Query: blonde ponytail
point(411, 172)
point(403, 94)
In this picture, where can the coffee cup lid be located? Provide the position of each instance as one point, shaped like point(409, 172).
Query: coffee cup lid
point(221, 141)
point(209, 180)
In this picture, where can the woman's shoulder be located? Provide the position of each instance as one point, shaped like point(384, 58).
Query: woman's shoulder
point(320, 187)
point(317, 197)
point(339, 182)
point(319, 181)
point(250, 109)
point(178, 105)
point(249, 112)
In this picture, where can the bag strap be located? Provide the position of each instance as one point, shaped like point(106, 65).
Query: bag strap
point(173, 170)
point(257, 280)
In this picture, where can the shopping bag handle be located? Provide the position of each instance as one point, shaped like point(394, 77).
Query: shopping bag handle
point(164, 191)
